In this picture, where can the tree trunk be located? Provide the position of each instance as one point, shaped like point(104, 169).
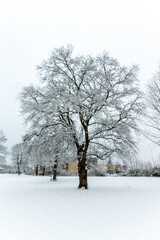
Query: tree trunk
point(36, 170)
point(82, 171)
point(55, 171)
point(82, 168)
point(44, 171)
point(18, 170)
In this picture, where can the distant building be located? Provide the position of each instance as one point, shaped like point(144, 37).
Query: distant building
point(114, 168)
point(1, 169)
point(72, 165)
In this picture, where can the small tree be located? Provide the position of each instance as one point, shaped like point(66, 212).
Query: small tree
point(3, 148)
point(47, 150)
point(93, 100)
point(16, 156)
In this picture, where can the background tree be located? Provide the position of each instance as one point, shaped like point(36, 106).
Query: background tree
point(47, 150)
point(93, 100)
point(153, 109)
point(16, 156)
point(3, 148)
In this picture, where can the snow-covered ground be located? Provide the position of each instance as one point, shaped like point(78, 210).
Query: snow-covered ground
point(114, 208)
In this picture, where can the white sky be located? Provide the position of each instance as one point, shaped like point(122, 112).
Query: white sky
point(30, 29)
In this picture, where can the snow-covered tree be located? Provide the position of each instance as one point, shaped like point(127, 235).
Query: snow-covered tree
point(153, 106)
point(16, 156)
point(92, 100)
point(19, 158)
point(3, 148)
point(46, 149)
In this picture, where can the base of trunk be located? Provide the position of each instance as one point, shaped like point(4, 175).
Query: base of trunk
point(44, 171)
point(19, 170)
point(83, 178)
point(54, 175)
point(36, 171)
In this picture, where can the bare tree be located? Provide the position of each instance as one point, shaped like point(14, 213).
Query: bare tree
point(93, 100)
point(3, 148)
point(46, 149)
point(16, 156)
point(153, 109)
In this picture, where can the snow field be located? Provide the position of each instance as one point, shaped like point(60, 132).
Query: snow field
point(35, 208)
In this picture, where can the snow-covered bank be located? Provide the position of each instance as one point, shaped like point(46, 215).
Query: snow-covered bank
point(35, 208)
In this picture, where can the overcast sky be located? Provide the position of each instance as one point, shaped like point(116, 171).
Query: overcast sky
point(30, 29)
